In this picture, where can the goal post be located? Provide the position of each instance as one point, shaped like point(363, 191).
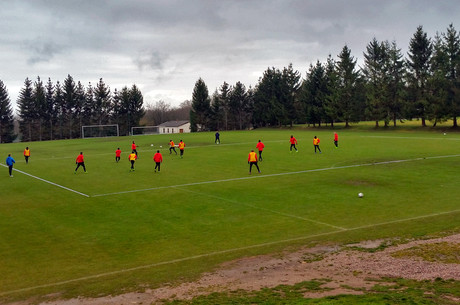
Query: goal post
point(145, 130)
point(100, 131)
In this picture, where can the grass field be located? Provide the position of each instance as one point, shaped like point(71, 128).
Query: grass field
point(111, 230)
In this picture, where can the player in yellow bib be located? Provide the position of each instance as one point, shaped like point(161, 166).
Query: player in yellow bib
point(132, 158)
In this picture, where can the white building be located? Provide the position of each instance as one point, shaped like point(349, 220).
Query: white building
point(174, 127)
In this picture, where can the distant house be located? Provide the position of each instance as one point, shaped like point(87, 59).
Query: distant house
point(174, 127)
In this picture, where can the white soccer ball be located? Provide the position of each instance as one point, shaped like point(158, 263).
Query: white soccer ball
point(161, 146)
point(360, 195)
point(444, 133)
point(151, 144)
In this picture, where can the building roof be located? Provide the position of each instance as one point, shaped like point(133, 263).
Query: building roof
point(173, 123)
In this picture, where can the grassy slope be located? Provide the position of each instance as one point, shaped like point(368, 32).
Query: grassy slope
point(50, 235)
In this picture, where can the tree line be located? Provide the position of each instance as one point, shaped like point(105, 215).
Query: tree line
point(388, 87)
point(48, 111)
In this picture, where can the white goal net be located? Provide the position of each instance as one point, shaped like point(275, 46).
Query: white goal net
point(100, 131)
point(145, 130)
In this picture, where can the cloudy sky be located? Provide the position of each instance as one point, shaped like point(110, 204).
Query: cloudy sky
point(164, 46)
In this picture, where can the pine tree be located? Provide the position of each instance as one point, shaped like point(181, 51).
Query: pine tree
point(68, 105)
point(331, 100)
point(6, 116)
point(39, 97)
point(268, 109)
point(77, 115)
point(124, 110)
point(88, 112)
point(216, 116)
point(238, 105)
point(201, 106)
point(60, 108)
point(451, 48)
point(50, 109)
point(26, 110)
point(420, 52)
point(223, 98)
point(437, 84)
point(375, 62)
point(136, 106)
point(102, 103)
point(313, 93)
point(290, 82)
point(348, 80)
point(395, 87)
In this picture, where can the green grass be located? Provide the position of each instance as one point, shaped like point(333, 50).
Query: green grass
point(176, 225)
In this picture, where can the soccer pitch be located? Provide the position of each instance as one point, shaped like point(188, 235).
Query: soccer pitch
point(111, 230)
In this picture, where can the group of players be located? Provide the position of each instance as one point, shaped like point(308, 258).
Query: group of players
point(253, 158)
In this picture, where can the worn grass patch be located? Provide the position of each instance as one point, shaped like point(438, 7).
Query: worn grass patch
point(442, 252)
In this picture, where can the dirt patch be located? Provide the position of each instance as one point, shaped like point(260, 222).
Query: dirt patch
point(347, 270)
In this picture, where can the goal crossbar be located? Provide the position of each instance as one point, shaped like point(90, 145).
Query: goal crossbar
point(144, 130)
point(100, 131)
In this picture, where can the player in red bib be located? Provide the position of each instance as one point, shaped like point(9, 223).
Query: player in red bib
point(117, 154)
point(293, 143)
point(133, 148)
point(80, 161)
point(260, 146)
point(158, 158)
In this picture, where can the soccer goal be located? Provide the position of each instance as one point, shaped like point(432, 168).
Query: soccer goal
point(145, 130)
point(100, 131)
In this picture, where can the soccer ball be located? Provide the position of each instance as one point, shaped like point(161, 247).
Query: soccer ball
point(360, 195)
point(161, 146)
point(151, 144)
point(444, 133)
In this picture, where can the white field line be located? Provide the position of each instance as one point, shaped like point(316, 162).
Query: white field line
point(271, 175)
point(263, 209)
point(413, 138)
point(47, 181)
point(215, 253)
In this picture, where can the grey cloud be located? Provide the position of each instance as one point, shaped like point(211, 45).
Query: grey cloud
point(151, 60)
point(41, 51)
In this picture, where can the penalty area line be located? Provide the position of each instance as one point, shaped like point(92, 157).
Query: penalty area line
point(49, 182)
point(272, 175)
point(215, 253)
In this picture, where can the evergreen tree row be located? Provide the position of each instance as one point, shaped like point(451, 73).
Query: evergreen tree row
point(388, 87)
point(58, 111)
point(6, 116)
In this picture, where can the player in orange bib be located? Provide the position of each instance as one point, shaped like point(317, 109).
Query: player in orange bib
point(172, 147)
point(252, 160)
point(27, 154)
point(181, 148)
point(316, 144)
point(336, 140)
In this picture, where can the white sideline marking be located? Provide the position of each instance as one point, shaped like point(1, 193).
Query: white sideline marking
point(272, 175)
point(46, 181)
point(179, 260)
point(413, 138)
point(263, 209)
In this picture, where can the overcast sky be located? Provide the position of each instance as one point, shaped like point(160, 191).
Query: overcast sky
point(164, 46)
